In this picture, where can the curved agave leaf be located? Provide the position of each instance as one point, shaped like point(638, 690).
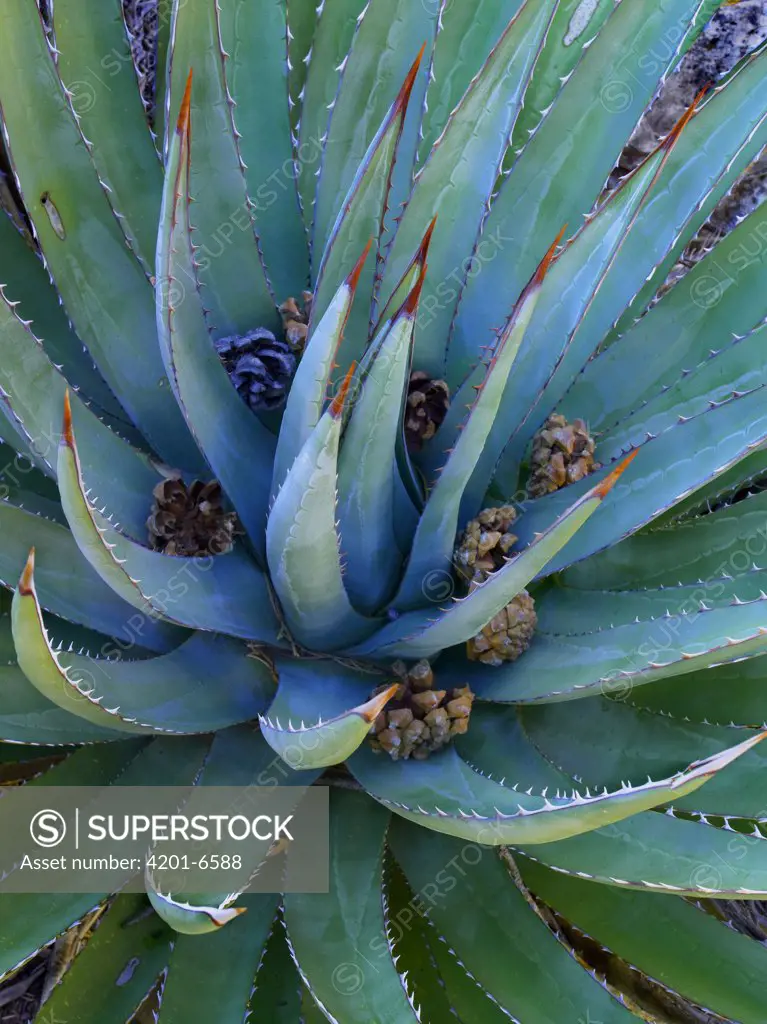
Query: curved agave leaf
point(27, 282)
point(214, 411)
point(319, 716)
point(70, 588)
point(166, 694)
point(663, 854)
point(634, 743)
point(302, 543)
point(489, 927)
point(367, 466)
point(277, 988)
point(237, 288)
point(129, 946)
point(189, 919)
point(531, 202)
point(457, 178)
point(311, 383)
point(223, 593)
point(258, 34)
point(33, 393)
point(421, 634)
point(451, 794)
point(434, 539)
point(656, 936)
point(344, 925)
point(336, 26)
point(105, 292)
point(228, 961)
point(565, 668)
point(360, 217)
point(94, 61)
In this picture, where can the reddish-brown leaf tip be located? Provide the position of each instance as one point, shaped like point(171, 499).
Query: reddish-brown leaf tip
point(182, 125)
point(603, 489)
point(353, 279)
point(338, 402)
point(543, 266)
point(66, 431)
point(27, 581)
point(410, 304)
point(375, 706)
point(670, 141)
point(423, 248)
point(403, 97)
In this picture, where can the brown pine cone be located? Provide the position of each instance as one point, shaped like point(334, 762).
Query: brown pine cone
point(427, 403)
point(190, 520)
point(562, 454)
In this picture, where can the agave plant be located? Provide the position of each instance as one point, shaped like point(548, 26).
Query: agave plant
point(280, 508)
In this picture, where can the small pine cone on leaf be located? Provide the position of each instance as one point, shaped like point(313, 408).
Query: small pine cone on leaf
point(189, 520)
point(484, 545)
point(295, 321)
point(260, 366)
point(419, 719)
point(427, 403)
point(562, 454)
point(507, 635)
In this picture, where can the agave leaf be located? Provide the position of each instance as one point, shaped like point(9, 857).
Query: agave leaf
point(663, 854)
point(573, 29)
point(672, 465)
point(487, 924)
point(728, 542)
point(345, 927)
point(166, 694)
point(27, 283)
point(457, 179)
point(223, 593)
point(311, 383)
point(337, 24)
point(238, 292)
point(421, 634)
point(321, 713)
point(367, 468)
point(105, 292)
point(723, 140)
point(415, 269)
point(94, 61)
point(69, 587)
point(459, 793)
point(464, 43)
point(162, 80)
point(635, 742)
point(277, 989)
point(360, 217)
point(189, 919)
point(257, 34)
point(228, 961)
point(302, 16)
point(619, 81)
point(726, 695)
point(128, 947)
point(214, 411)
point(564, 668)
point(656, 937)
point(33, 395)
point(432, 548)
point(578, 278)
point(302, 543)
point(718, 299)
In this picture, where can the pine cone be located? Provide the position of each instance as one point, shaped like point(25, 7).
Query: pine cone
point(259, 366)
point(485, 543)
point(562, 453)
point(295, 321)
point(190, 520)
point(507, 635)
point(419, 719)
point(427, 403)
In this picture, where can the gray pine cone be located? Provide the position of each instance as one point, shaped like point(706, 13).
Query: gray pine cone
point(260, 366)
